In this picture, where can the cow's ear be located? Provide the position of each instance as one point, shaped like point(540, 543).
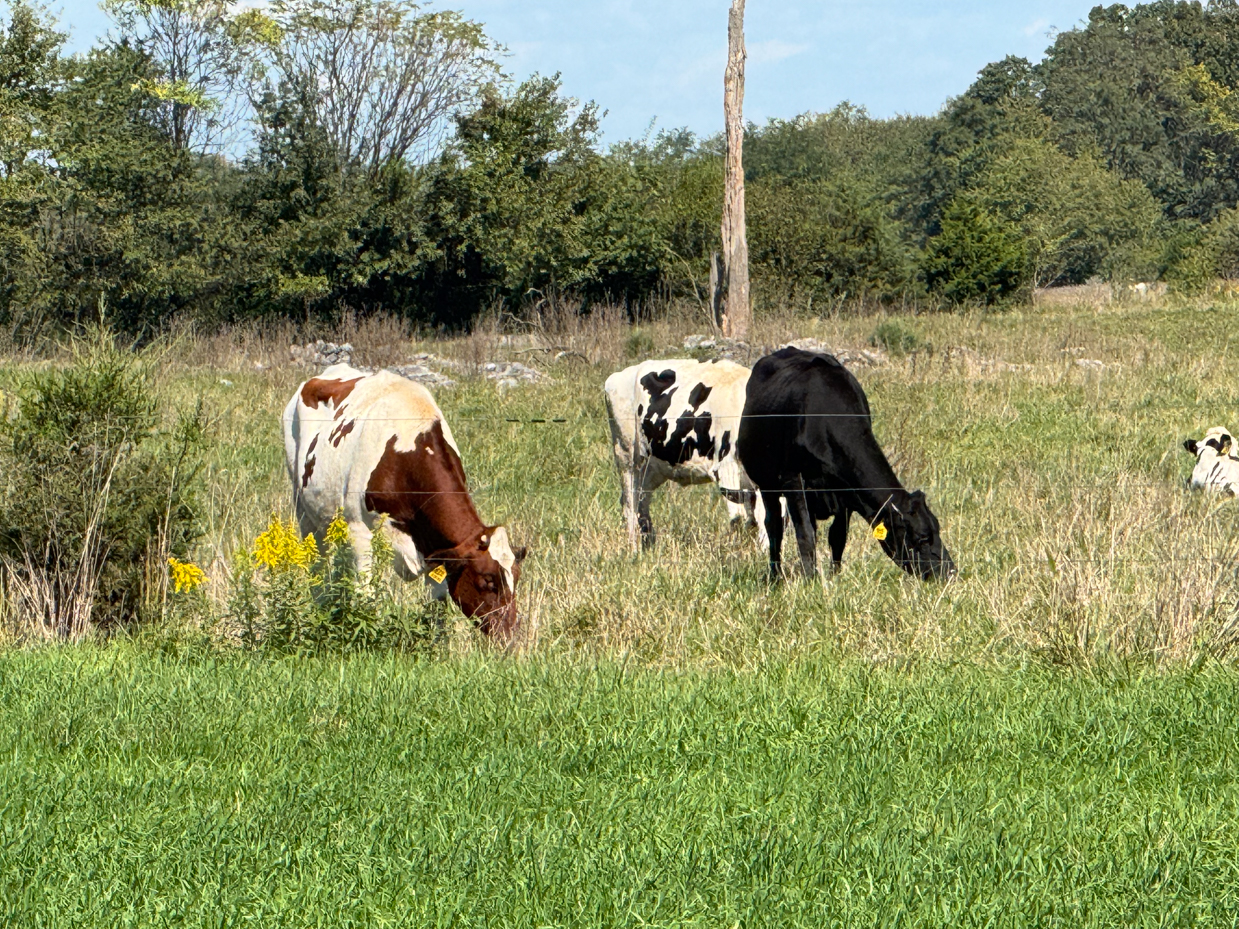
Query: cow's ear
point(1227, 444)
point(521, 553)
point(1191, 446)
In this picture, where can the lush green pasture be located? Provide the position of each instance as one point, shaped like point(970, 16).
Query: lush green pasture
point(224, 791)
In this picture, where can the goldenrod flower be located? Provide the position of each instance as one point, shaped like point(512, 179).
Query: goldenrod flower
point(186, 576)
point(337, 531)
point(281, 548)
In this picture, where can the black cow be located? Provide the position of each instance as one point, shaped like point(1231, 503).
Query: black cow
point(807, 435)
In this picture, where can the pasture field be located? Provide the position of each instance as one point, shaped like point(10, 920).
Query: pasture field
point(138, 789)
point(1048, 740)
point(1049, 441)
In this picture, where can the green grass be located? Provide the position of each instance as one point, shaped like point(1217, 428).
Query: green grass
point(215, 790)
point(676, 742)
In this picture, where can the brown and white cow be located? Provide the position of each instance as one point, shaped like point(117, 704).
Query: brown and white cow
point(377, 445)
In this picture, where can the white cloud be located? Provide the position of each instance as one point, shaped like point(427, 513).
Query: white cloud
point(774, 50)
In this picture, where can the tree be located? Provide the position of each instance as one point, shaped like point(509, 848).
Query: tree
point(977, 258)
point(386, 78)
point(29, 78)
point(976, 128)
point(1143, 87)
point(817, 240)
point(522, 204)
point(204, 57)
point(1078, 220)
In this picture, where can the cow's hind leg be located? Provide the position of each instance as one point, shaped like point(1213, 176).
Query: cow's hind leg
point(774, 532)
point(628, 504)
point(645, 488)
point(806, 529)
point(838, 536)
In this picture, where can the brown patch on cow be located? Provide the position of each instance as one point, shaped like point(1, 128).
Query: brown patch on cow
point(340, 431)
point(309, 471)
point(317, 391)
point(425, 495)
point(313, 445)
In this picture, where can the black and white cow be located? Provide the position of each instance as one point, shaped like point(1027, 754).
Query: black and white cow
point(807, 436)
point(677, 421)
point(1217, 464)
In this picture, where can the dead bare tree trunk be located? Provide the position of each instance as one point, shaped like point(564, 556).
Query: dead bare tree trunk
point(737, 314)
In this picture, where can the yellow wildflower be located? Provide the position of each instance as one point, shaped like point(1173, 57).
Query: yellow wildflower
point(281, 548)
point(337, 531)
point(186, 576)
point(879, 532)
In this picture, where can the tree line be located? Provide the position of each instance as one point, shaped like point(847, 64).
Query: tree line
point(370, 155)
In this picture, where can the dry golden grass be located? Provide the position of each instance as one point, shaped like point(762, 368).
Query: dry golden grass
point(1048, 439)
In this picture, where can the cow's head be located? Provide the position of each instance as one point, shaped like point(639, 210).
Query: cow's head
point(909, 533)
point(482, 578)
point(1218, 440)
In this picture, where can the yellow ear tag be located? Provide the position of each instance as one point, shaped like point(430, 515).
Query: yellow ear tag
point(879, 532)
point(439, 574)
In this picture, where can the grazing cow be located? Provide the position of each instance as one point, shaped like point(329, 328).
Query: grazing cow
point(377, 447)
point(677, 421)
point(1217, 466)
point(807, 436)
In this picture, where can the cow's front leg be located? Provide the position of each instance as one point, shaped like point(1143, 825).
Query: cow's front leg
point(806, 529)
point(774, 532)
point(838, 536)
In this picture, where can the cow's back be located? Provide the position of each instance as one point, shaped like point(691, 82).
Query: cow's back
point(679, 416)
point(805, 415)
point(340, 426)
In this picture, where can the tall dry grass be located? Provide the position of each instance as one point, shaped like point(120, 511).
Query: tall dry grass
point(1047, 438)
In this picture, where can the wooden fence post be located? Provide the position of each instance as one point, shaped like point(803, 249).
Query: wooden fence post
point(737, 315)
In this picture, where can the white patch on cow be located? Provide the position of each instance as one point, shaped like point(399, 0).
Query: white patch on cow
point(501, 550)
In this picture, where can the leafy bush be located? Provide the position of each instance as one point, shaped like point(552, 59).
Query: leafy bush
point(978, 258)
point(1078, 220)
point(896, 338)
point(290, 596)
point(639, 344)
point(816, 240)
point(1204, 254)
point(97, 493)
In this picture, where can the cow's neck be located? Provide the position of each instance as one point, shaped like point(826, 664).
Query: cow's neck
point(443, 522)
point(876, 488)
point(424, 493)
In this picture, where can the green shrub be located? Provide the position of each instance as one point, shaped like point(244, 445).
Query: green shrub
point(97, 492)
point(896, 338)
point(639, 344)
point(289, 596)
point(977, 258)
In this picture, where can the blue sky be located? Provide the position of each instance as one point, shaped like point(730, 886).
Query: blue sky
point(663, 59)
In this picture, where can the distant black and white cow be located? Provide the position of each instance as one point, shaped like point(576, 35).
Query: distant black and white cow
point(1217, 467)
point(807, 436)
point(376, 448)
point(677, 421)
